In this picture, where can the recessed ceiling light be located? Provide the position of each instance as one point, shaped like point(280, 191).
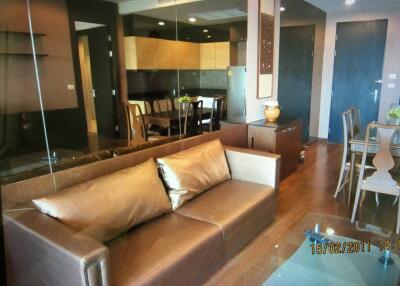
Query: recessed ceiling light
point(205, 31)
point(209, 36)
point(283, 9)
point(349, 2)
point(161, 23)
point(192, 19)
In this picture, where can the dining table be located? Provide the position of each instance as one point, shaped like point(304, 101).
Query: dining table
point(166, 119)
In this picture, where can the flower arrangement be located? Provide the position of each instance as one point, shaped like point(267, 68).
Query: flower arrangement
point(271, 103)
point(184, 99)
point(394, 113)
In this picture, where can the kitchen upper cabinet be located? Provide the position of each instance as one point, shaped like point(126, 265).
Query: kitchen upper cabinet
point(158, 54)
point(189, 55)
point(222, 55)
point(207, 56)
point(214, 56)
point(165, 54)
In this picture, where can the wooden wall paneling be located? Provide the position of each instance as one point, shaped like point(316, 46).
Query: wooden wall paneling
point(207, 56)
point(222, 55)
point(56, 71)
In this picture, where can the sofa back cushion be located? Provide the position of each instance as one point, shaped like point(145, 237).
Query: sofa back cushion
point(193, 171)
point(109, 205)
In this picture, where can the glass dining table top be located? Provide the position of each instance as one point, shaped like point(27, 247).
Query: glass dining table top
point(358, 144)
point(349, 254)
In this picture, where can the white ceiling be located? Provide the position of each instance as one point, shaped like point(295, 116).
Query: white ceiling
point(339, 5)
point(207, 12)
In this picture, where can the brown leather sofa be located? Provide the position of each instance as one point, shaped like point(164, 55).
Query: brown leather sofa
point(184, 247)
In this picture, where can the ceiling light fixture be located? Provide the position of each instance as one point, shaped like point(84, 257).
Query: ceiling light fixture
point(192, 19)
point(349, 2)
point(209, 36)
point(205, 31)
point(161, 23)
point(283, 9)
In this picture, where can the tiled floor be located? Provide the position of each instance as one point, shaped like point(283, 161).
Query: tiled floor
point(310, 189)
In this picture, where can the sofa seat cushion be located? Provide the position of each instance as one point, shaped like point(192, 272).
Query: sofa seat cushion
point(240, 209)
point(170, 250)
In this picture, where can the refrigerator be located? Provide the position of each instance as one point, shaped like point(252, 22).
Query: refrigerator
point(236, 95)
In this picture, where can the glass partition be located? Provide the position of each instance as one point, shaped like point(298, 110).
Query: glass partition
point(100, 74)
point(23, 53)
point(151, 51)
point(212, 51)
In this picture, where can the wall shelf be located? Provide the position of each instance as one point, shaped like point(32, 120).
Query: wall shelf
point(23, 54)
point(23, 33)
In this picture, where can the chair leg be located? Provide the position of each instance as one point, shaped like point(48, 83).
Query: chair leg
point(377, 199)
point(352, 170)
point(398, 219)
point(353, 215)
point(342, 177)
point(362, 198)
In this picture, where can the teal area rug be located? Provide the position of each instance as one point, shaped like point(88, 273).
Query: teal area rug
point(362, 268)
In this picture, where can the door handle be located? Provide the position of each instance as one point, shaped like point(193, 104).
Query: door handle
point(375, 94)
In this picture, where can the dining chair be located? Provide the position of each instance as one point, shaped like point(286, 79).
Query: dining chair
point(151, 106)
point(164, 104)
point(348, 134)
point(345, 166)
point(193, 118)
point(137, 127)
point(355, 121)
point(217, 109)
point(136, 124)
point(379, 181)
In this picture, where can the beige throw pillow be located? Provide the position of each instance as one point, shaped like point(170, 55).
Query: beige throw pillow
point(109, 205)
point(193, 171)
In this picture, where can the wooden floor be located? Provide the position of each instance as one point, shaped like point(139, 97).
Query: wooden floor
point(308, 190)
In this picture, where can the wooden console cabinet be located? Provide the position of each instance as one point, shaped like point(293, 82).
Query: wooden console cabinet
point(283, 138)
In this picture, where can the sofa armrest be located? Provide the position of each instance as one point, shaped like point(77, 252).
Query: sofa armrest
point(253, 166)
point(42, 251)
